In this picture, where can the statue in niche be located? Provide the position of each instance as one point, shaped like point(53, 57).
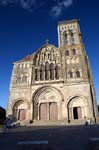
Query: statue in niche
point(37, 61)
point(57, 59)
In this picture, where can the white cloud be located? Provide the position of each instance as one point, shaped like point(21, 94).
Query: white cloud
point(59, 7)
point(67, 3)
point(31, 5)
point(4, 2)
point(56, 10)
point(26, 4)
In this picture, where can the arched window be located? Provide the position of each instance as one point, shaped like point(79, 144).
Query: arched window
point(47, 71)
point(74, 51)
point(22, 66)
point(25, 65)
point(18, 66)
point(56, 72)
point(18, 79)
point(70, 74)
point(52, 71)
point(24, 79)
point(48, 56)
point(36, 74)
point(72, 37)
point(67, 52)
point(42, 69)
point(71, 33)
point(65, 41)
point(77, 74)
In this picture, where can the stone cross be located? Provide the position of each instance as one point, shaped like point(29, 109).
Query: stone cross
point(47, 41)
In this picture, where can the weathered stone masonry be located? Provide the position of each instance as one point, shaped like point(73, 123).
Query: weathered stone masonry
point(54, 83)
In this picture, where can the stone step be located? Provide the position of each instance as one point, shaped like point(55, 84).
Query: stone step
point(59, 122)
point(40, 122)
point(77, 122)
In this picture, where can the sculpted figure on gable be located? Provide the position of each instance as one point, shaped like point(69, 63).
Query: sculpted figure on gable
point(47, 53)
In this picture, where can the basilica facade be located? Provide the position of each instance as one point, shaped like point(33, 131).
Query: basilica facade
point(54, 83)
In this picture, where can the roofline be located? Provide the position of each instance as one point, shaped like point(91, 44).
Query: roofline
point(34, 53)
point(45, 45)
point(68, 21)
point(21, 61)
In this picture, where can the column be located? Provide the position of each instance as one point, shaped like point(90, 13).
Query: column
point(48, 113)
point(59, 113)
point(38, 74)
point(38, 111)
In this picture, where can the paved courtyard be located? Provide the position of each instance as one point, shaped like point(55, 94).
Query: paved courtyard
point(59, 137)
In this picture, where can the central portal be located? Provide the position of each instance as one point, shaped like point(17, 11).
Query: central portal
point(46, 104)
point(48, 111)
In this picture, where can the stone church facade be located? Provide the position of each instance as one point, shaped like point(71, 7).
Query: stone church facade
point(54, 83)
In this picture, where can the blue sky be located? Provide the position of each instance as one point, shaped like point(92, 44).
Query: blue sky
point(26, 24)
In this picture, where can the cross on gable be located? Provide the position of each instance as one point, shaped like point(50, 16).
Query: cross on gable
point(47, 41)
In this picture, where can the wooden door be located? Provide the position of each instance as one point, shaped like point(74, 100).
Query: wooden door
point(53, 115)
point(43, 111)
point(22, 114)
point(79, 111)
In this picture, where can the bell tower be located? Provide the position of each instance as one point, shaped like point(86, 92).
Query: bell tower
point(68, 33)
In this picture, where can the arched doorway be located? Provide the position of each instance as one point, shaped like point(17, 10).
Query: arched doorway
point(77, 108)
point(20, 110)
point(77, 112)
point(45, 105)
